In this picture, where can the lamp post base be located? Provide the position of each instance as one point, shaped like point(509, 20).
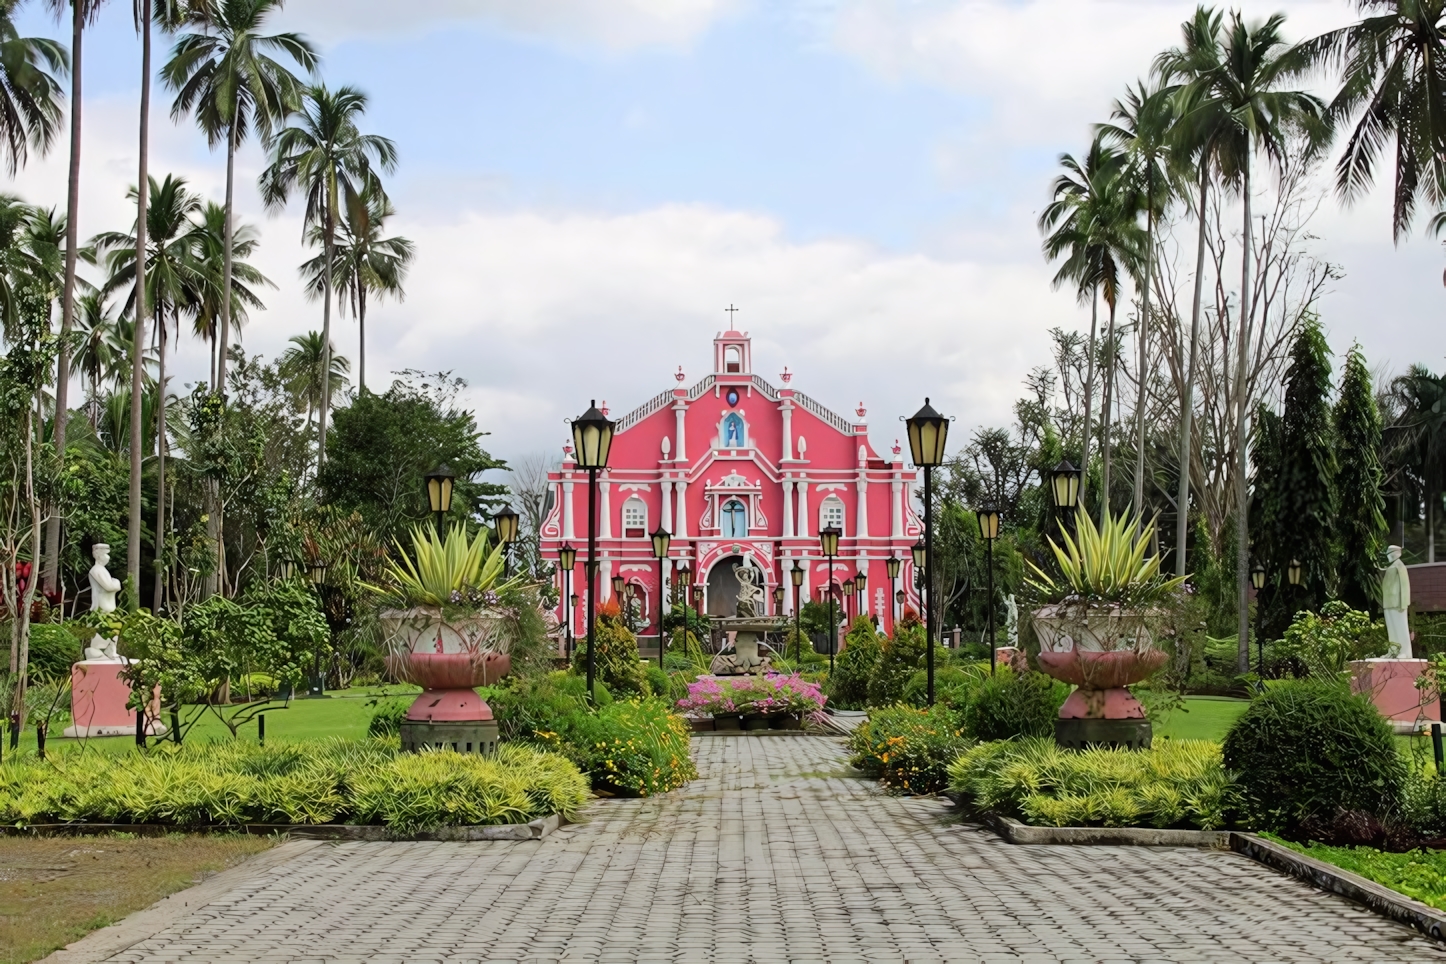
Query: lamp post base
point(464, 736)
point(1079, 734)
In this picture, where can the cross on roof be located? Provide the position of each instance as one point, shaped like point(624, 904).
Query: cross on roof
point(730, 309)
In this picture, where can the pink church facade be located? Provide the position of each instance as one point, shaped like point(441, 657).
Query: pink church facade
point(741, 473)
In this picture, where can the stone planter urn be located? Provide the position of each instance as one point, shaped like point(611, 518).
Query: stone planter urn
point(448, 658)
point(1100, 650)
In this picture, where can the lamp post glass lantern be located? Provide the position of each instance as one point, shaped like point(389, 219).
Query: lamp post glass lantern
point(989, 531)
point(928, 433)
point(566, 559)
point(849, 600)
point(506, 520)
point(1257, 580)
point(861, 602)
point(662, 540)
point(891, 566)
point(592, 438)
point(796, 576)
point(828, 542)
point(439, 493)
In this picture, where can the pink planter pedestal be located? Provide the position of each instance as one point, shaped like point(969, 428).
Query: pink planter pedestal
point(98, 697)
point(1391, 686)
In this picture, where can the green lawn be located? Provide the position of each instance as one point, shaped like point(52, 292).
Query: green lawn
point(345, 713)
point(1201, 718)
point(1420, 874)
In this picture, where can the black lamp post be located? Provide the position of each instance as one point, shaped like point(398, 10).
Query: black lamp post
point(861, 587)
point(828, 541)
point(506, 520)
point(698, 601)
point(891, 566)
point(574, 599)
point(439, 493)
point(928, 432)
point(1257, 579)
point(592, 437)
point(1292, 573)
point(796, 575)
point(778, 600)
point(566, 559)
point(849, 600)
point(318, 579)
point(989, 531)
point(662, 539)
point(1064, 490)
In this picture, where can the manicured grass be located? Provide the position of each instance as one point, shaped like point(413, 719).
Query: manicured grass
point(1202, 718)
point(53, 890)
point(1419, 874)
point(345, 713)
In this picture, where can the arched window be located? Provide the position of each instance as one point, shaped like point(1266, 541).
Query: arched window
point(635, 519)
point(734, 432)
point(831, 513)
point(734, 520)
point(732, 360)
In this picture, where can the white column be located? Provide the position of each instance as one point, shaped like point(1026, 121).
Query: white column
point(897, 513)
point(667, 521)
point(605, 579)
point(605, 524)
point(862, 515)
point(682, 516)
point(787, 508)
point(568, 532)
point(680, 414)
point(802, 520)
point(788, 430)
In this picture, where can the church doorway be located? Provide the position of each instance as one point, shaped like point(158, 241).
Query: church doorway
point(723, 586)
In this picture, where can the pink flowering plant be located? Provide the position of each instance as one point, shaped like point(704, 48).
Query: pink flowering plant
point(774, 693)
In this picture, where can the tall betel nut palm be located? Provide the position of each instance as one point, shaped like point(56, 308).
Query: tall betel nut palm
point(1091, 224)
point(324, 156)
point(1232, 107)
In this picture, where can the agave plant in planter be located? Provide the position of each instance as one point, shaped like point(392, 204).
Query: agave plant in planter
point(448, 634)
point(1094, 628)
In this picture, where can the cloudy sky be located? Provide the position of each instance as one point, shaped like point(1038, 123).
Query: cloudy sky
point(590, 183)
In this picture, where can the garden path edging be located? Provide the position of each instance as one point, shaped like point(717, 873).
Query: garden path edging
point(1337, 880)
point(1012, 831)
point(533, 830)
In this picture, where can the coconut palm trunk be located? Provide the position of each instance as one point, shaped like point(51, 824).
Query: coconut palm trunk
point(1138, 500)
point(1108, 420)
point(133, 528)
point(361, 327)
point(160, 463)
point(1242, 368)
point(225, 334)
point(67, 293)
point(1187, 402)
point(325, 403)
point(1089, 392)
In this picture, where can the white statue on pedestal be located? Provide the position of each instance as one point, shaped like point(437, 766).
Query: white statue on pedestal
point(1395, 600)
point(1011, 620)
point(103, 589)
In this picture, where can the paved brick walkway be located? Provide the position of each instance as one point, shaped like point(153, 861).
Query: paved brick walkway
point(776, 854)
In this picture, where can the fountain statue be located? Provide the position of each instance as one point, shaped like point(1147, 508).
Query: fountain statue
point(746, 654)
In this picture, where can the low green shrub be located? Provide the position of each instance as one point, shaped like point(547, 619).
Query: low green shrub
point(387, 717)
point(657, 680)
point(1176, 783)
point(906, 749)
point(322, 781)
point(954, 685)
point(1321, 645)
point(1010, 704)
point(1306, 750)
point(53, 650)
point(899, 657)
point(848, 685)
point(1423, 804)
point(616, 663)
point(633, 747)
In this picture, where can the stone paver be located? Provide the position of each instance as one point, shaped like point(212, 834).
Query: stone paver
point(776, 854)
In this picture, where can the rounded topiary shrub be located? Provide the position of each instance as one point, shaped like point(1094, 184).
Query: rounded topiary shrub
point(902, 655)
point(1305, 751)
point(1010, 704)
point(848, 685)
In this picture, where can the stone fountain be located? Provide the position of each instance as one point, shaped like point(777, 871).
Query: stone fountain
point(743, 656)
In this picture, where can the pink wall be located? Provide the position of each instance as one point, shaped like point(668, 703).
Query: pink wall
point(677, 458)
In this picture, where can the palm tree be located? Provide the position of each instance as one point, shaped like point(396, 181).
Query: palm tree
point(1233, 106)
point(302, 372)
point(226, 73)
point(1393, 77)
point(1142, 131)
point(99, 351)
point(327, 159)
point(30, 102)
point(169, 272)
point(1092, 225)
point(365, 262)
point(208, 239)
point(1416, 442)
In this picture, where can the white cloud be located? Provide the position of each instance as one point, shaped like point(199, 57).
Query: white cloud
point(617, 25)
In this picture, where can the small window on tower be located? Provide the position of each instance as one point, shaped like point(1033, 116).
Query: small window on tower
point(635, 519)
point(732, 360)
point(831, 513)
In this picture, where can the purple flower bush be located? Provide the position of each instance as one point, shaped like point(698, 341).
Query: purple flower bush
point(774, 693)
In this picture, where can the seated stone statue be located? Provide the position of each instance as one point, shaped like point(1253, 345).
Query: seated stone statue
point(103, 589)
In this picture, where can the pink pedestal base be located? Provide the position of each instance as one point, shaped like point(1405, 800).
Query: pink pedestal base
point(449, 706)
point(98, 697)
point(1391, 686)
